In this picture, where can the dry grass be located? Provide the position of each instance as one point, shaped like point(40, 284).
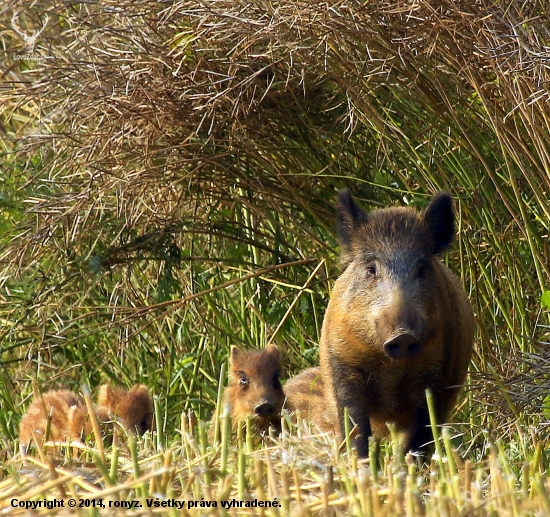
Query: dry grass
point(303, 473)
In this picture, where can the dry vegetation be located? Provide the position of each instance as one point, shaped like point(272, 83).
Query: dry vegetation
point(168, 176)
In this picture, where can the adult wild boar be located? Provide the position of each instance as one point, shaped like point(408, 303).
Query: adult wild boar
point(398, 322)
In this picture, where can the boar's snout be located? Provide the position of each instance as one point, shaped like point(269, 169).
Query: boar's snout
point(265, 409)
point(403, 346)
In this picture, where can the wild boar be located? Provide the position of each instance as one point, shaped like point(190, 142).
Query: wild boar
point(254, 388)
point(398, 322)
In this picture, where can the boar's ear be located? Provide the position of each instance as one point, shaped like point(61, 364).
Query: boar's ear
point(349, 216)
point(440, 220)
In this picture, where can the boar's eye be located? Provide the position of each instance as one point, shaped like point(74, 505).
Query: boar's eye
point(243, 380)
point(371, 269)
point(422, 269)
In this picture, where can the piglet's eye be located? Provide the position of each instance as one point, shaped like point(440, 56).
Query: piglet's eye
point(371, 269)
point(243, 380)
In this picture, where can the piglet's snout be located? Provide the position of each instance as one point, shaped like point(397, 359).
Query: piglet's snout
point(265, 409)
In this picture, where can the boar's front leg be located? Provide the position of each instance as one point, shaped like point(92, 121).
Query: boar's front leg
point(420, 439)
point(350, 391)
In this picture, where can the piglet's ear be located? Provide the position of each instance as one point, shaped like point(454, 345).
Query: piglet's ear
point(273, 351)
point(440, 220)
point(349, 217)
point(235, 353)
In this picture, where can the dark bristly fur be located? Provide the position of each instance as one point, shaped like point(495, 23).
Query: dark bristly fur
point(398, 321)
